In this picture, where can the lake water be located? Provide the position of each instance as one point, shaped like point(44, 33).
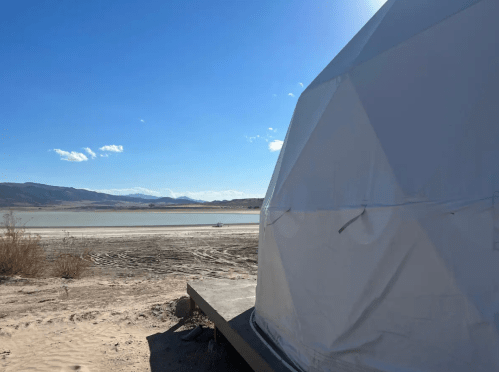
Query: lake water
point(111, 219)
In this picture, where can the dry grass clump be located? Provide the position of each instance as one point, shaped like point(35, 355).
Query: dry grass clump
point(73, 260)
point(20, 253)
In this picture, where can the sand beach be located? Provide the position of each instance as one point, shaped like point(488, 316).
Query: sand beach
point(129, 312)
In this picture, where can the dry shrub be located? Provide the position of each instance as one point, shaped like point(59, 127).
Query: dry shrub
point(20, 253)
point(73, 260)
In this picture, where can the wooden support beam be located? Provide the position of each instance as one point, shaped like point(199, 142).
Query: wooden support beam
point(192, 306)
point(229, 305)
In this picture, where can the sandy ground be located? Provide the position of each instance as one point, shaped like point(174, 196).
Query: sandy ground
point(129, 312)
point(128, 231)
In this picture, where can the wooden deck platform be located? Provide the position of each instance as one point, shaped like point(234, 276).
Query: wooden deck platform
point(229, 304)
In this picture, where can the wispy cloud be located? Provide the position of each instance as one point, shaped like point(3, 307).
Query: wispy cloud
point(268, 137)
point(209, 195)
point(131, 190)
point(291, 94)
point(112, 148)
point(71, 156)
point(300, 84)
point(90, 152)
point(104, 156)
point(142, 120)
point(275, 145)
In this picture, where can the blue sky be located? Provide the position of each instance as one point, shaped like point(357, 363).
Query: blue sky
point(168, 98)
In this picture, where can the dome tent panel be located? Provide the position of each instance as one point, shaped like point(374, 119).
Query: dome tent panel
point(381, 220)
point(406, 19)
point(309, 110)
point(359, 173)
point(396, 22)
point(431, 102)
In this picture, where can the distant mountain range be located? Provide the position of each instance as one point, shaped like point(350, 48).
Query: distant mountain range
point(37, 194)
point(192, 200)
point(31, 194)
point(152, 197)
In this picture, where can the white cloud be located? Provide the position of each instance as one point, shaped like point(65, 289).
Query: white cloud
point(291, 94)
point(112, 148)
point(142, 120)
point(90, 152)
point(104, 156)
point(300, 84)
point(198, 195)
point(275, 145)
point(267, 137)
point(71, 156)
point(131, 190)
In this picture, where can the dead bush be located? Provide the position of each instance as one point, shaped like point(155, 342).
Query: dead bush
point(20, 253)
point(73, 260)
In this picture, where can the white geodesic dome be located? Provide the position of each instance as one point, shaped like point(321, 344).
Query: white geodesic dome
point(379, 233)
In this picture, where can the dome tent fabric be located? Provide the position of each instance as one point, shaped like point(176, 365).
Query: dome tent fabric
point(379, 232)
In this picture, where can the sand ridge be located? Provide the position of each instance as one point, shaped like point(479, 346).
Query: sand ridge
point(96, 323)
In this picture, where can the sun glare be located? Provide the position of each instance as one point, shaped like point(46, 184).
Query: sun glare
point(377, 3)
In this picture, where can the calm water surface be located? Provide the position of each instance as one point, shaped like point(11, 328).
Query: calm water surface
point(91, 219)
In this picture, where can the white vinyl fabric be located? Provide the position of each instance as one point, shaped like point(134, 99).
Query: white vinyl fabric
point(379, 233)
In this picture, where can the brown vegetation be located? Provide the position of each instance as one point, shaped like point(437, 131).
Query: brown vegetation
point(73, 260)
point(22, 254)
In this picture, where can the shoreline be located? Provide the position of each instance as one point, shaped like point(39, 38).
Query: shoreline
point(179, 210)
point(142, 226)
point(124, 231)
point(145, 210)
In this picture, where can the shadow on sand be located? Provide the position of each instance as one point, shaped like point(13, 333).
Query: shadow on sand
point(169, 353)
